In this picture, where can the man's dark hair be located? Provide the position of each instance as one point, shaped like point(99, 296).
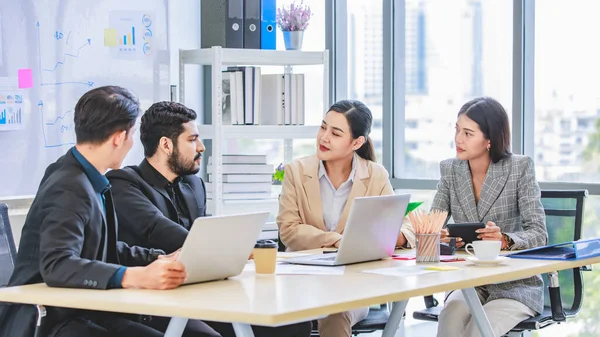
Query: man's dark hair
point(102, 111)
point(163, 119)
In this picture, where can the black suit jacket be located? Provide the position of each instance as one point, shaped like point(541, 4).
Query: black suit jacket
point(147, 216)
point(67, 241)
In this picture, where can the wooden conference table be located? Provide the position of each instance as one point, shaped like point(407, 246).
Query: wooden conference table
point(274, 300)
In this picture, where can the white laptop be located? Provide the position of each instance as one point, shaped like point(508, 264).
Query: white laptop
point(218, 247)
point(370, 234)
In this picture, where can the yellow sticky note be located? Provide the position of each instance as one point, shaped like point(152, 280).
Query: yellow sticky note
point(110, 37)
point(442, 268)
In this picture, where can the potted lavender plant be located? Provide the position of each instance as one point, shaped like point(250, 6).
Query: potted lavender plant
point(292, 21)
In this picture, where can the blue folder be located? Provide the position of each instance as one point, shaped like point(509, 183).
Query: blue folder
point(268, 39)
point(574, 250)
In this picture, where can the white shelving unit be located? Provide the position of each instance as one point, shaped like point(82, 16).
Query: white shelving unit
point(217, 58)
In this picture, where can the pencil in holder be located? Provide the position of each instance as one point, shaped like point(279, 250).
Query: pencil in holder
point(428, 247)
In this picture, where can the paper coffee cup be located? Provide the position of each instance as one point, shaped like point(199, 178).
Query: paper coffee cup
point(265, 256)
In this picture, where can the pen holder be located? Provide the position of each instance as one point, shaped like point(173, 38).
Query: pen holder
point(428, 247)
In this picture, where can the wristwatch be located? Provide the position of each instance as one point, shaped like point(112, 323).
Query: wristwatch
point(509, 241)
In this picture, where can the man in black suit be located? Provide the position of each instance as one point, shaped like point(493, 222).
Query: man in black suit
point(158, 200)
point(70, 235)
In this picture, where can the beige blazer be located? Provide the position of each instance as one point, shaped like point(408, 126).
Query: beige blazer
point(300, 217)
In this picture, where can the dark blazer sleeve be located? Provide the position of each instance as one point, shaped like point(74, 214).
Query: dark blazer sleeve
point(135, 256)
point(140, 215)
point(62, 236)
point(202, 193)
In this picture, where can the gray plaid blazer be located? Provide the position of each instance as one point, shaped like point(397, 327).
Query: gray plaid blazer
point(510, 197)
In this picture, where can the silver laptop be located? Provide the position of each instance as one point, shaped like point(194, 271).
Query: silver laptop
point(371, 232)
point(218, 247)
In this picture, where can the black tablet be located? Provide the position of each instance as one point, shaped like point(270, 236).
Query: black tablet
point(466, 231)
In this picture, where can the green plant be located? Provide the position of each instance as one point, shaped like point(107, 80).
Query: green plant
point(279, 173)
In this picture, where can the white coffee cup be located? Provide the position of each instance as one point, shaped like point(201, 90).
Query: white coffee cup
point(485, 250)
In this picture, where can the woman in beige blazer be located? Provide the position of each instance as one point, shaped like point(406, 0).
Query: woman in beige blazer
point(318, 191)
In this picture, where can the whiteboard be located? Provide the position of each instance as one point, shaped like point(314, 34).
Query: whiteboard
point(51, 53)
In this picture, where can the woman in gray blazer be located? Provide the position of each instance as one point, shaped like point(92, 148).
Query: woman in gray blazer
point(486, 183)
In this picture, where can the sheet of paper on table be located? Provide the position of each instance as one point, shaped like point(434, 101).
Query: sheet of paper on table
point(289, 255)
point(400, 271)
point(294, 269)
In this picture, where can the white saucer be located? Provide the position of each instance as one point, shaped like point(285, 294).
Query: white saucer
point(495, 262)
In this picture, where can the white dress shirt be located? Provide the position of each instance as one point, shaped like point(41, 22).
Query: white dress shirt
point(334, 200)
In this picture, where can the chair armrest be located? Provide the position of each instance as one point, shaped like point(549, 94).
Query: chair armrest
point(558, 314)
point(430, 301)
point(586, 268)
point(39, 328)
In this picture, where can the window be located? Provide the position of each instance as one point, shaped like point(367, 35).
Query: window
point(454, 51)
point(566, 98)
point(412, 145)
point(411, 123)
point(365, 61)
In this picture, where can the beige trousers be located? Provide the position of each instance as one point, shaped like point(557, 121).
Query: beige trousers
point(455, 319)
point(340, 325)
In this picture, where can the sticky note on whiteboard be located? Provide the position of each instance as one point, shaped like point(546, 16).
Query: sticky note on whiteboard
point(110, 37)
point(25, 78)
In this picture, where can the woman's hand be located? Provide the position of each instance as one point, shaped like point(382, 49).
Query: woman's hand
point(401, 241)
point(444, 237)
point(490, 232)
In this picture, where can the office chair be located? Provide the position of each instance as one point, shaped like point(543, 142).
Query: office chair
point(8, 251)
point(564, 218)
point(8, 256)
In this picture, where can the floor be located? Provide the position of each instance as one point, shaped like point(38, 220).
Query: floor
point(413, 327)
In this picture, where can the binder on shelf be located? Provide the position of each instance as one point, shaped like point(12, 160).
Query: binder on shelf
point(235, 24)
point(228, 97)
point(574, 250)
point(222, 23)
point(250, 93)
point(252, 24)
point(298, 99)
point(268, 10)
point(272, 99)
point(287, 93)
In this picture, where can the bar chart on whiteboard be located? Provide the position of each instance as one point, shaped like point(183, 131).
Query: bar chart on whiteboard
point(11, 110)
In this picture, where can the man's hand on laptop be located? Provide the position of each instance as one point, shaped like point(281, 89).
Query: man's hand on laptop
point(161, 274)
point(173, 256)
